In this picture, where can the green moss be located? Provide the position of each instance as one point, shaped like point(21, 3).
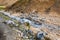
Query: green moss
point(2, 7)
point(21, 28)
point(28, 25)
point(4, 17)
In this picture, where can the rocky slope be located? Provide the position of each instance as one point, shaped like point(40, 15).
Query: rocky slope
point(29, 5)
point(30, 29)
point(49, 9)
point(31, 20)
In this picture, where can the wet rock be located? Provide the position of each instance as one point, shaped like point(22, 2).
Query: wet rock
point(40, 35)
point(29, 18)
point(26, 20)
point(37, 23)
point(9, 22)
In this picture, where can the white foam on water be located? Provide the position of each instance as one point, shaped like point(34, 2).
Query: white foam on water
point(19, 19)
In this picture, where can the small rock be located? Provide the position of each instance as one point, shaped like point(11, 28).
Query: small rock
point(9, 22)
point(43, 19)
point(37, 23)
point(40, 35)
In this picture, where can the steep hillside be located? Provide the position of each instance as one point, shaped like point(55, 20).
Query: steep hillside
point(50, 9)
point(29, 5)
point(30, 20)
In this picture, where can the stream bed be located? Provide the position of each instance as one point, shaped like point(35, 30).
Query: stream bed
point(34, 24)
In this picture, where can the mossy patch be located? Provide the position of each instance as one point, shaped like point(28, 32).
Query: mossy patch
point(28, 25)
point(2, 7)
point(15, 21)
point(4, 17)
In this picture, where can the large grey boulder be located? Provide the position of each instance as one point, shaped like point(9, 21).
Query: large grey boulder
point(3, 29)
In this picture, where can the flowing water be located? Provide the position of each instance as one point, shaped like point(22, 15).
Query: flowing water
point(22, 20)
